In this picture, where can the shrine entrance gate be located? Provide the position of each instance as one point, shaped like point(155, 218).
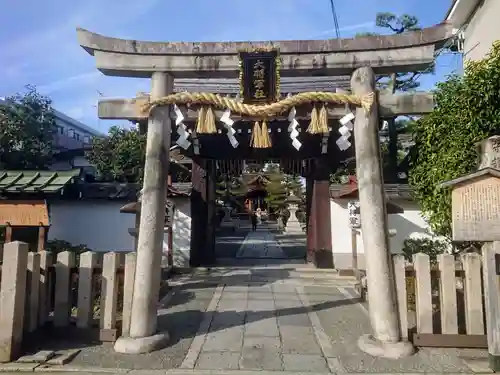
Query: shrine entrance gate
point(286, 101)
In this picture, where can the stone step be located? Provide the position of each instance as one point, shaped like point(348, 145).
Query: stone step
point(245, 279)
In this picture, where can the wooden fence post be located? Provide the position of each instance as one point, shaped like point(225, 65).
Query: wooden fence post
point(474, 321)
point(86, 292)
point(62, 303)
point(109, 292)
point(448, 294)
point(128, 291)
point(12, 299)
point(491, 251)
point(33, 292)
point(423, 293)
point(46, 261)
point(401, 293)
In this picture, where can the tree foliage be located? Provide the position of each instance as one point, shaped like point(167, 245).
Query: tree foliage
point(27, 128)
point(467, 111)
point(120, 156)
point(279, 188)
point(398, 25)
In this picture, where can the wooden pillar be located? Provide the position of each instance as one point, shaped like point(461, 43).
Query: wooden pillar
point(323, 256)
point(310, 220)
point(211, 215)
point(8, 233)
point(386, 338)
point(41, 238)
point(392, 176)
point(199, 213)
point(491, 251)
point(143, 336)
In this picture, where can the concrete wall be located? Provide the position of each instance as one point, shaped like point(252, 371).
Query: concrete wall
point(410, 222)
point(97, 224)
point(482, 30)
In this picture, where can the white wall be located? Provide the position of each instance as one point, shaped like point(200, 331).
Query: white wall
point(97, 224)
point(182, 232)
point(482, 30)
point(100, 225)
point(410, 222)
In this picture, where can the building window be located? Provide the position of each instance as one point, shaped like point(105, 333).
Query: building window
point(86, 139)
point(77, 136)
point(61, 130)
point(71, 133)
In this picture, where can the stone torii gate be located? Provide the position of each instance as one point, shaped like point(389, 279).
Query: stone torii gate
point(362, 58)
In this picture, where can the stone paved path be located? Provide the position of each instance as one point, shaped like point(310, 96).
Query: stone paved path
point(260, 244)
point(261, 327)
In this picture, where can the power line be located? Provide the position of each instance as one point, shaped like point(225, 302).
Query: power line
point(335, 19)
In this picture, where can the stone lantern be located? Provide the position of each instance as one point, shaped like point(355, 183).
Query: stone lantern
point(293, 224)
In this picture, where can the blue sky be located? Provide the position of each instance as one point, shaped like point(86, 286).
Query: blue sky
point(39, 46)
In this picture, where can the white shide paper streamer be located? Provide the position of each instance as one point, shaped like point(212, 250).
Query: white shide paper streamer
point(182, 131)
point(292, 128)
point(228, 124)
point(345, 131)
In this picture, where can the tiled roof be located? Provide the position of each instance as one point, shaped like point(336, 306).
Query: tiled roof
point(350, 190)
point(12, 182)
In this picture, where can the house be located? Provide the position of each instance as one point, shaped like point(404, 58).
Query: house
point(477, 21)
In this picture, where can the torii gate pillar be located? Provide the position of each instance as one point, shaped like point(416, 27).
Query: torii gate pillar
point(143, 336)
point(386, 338)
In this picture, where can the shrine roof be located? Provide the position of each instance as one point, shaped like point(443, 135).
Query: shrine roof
point(288, 85)
point(254, 178)
point(174, 191)
point(350, 190)
point(126, 191)
point(472, 176)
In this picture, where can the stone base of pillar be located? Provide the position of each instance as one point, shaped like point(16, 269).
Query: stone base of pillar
point(323, 258)
point(141, 345)
point(390, 350)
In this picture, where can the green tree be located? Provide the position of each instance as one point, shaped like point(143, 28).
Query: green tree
point(27, 128)
point(391, 151)
point(467, 111)
point(120, 156)
point(398, 25)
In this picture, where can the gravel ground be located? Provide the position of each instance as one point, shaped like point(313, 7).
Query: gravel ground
point(344, 324)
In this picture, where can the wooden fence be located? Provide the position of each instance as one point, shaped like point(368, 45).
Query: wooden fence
point(441, 303)
point(63, 295)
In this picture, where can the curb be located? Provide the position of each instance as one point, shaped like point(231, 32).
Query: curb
point(35, 367)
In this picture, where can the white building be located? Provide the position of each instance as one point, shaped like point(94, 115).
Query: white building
point(71, 134)
point(477, 22)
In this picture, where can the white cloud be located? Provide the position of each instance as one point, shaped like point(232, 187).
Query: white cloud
point(358, 26)
point(79, 79)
